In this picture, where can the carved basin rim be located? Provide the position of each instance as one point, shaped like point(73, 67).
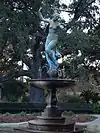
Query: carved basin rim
point(52, 83)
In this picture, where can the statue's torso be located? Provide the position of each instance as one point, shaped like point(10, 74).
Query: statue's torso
point(53, 28)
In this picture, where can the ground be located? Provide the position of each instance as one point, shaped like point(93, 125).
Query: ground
point(15, 118)
point(22, 117)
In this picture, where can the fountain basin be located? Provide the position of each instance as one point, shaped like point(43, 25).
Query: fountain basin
point(52, 83)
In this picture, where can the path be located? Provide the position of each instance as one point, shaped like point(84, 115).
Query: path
point(93, 126)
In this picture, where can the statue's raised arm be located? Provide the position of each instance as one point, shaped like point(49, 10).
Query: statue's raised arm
point(42, 18)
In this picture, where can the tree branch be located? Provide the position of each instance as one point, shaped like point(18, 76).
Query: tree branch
point(82, 5)
point(27, 61)
point(15, 75)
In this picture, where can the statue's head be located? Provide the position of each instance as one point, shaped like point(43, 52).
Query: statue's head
point(56, 17)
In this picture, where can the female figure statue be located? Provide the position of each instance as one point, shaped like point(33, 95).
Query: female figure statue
point(50, 45)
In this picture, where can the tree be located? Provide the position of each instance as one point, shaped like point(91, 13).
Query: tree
point(18, 26)
point(12, 90)
point(22, 37)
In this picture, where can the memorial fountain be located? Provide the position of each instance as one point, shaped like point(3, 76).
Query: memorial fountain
point(51, 120)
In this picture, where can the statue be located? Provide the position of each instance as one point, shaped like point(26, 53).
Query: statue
point(51, 52)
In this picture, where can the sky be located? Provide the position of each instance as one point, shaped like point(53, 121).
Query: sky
point(65, 14)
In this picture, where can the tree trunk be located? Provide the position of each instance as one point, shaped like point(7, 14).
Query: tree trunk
point(36, 94)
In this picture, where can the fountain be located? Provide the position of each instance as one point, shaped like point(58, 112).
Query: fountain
point(51, 119)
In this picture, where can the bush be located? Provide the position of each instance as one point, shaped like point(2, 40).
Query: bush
point(96, 108)
point(95, 98)
point(25, 98)
point(67, 113)
point(75, 99)
point(13, 90)
point(90, 95)
point(71, 99)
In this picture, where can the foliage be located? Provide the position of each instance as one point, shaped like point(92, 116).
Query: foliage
point(75, 99)
point(13, 90)
point(70, 99)
point(90, 95)
point(22, 38)
point(25, 98)
point(68, 113)
point(83, 55)
point(21, 34)
point(96, 107)
point(95, 98)
point(17, 27)
point(22, 113)
point(87, 95)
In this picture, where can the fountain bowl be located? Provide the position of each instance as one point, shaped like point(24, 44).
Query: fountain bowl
point(52, 83)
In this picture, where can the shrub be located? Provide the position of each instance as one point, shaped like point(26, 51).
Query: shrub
point(75, 99)
point(89, 95)
point(71, 99)
point(95, 98)
point(96, 108)
point(67, 113)
point(13, 90)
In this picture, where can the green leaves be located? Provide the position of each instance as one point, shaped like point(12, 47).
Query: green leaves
point(18, 20)
point(20, 25)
